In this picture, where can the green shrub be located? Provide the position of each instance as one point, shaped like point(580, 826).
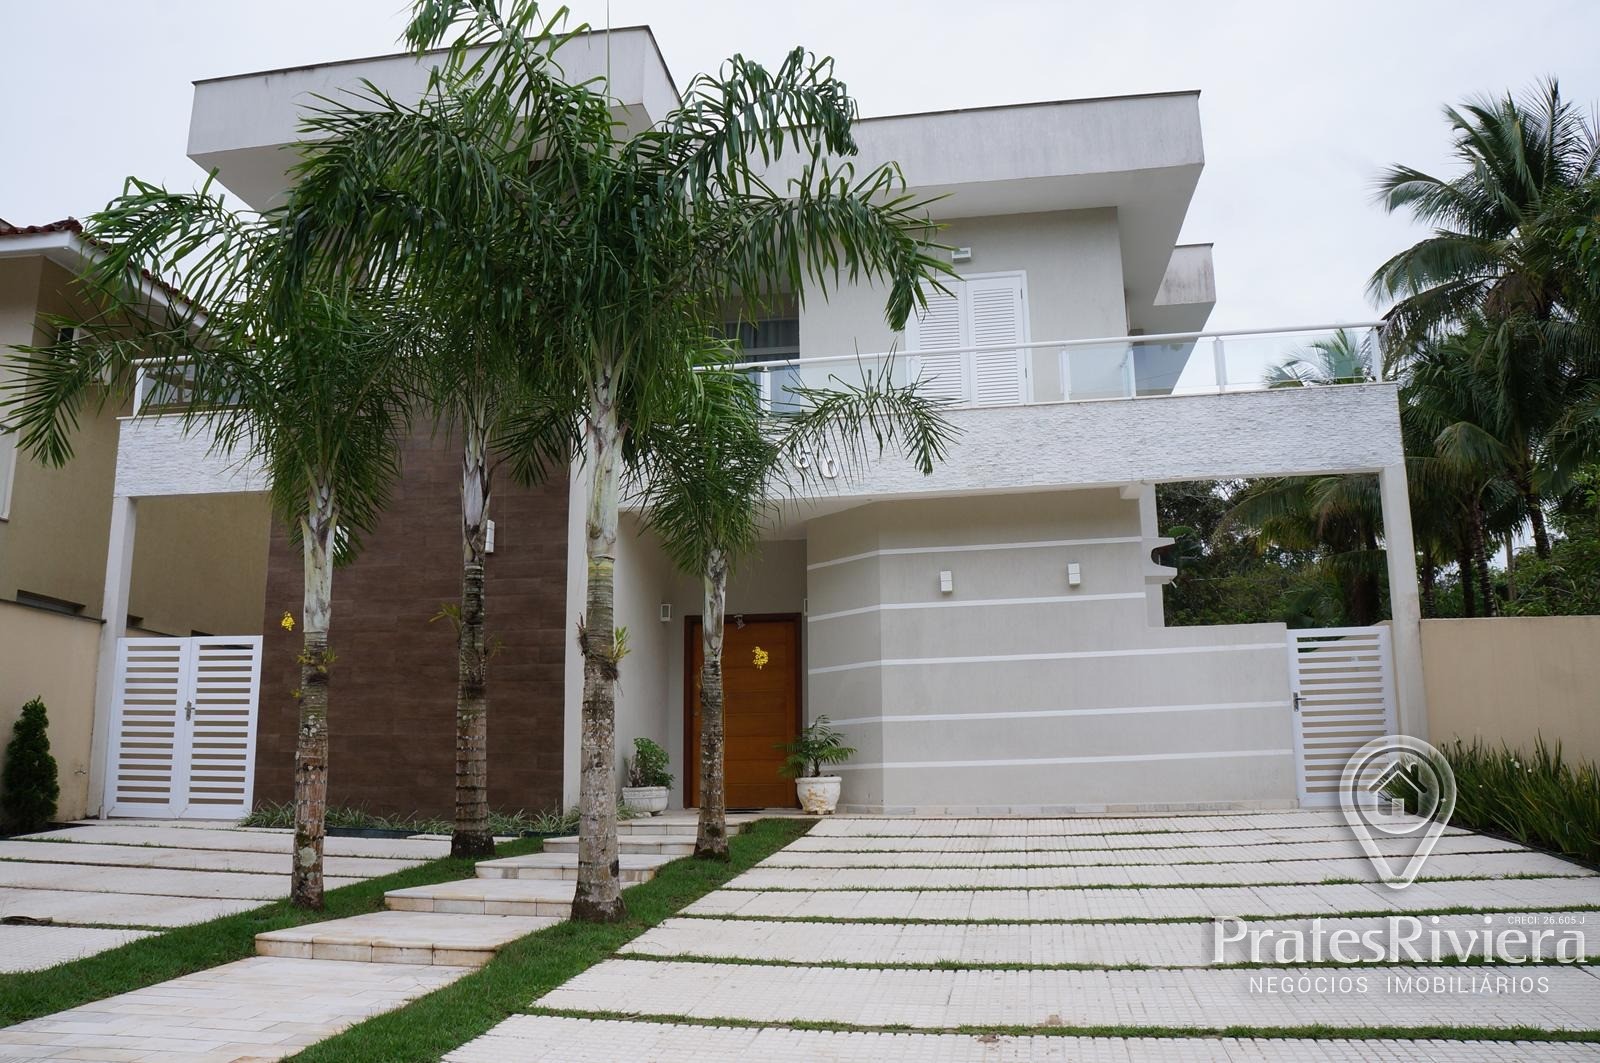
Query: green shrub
point(1536, 799)
point(647, 766)
point(29, 789)
point(501, 824)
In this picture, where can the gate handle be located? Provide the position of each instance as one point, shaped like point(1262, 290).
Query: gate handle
point(1297, 701)
point(188, 711)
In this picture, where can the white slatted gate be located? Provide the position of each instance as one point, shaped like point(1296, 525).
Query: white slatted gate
point(1343, 683)
point(184, 732)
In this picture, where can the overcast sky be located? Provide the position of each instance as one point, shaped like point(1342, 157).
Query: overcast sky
point(1301, 103)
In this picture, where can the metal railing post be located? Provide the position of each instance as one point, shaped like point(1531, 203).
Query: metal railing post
point(1219, 360)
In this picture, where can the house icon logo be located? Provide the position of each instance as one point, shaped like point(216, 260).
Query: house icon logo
point(1397, 794)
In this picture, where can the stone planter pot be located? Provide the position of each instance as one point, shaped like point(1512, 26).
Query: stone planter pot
point(651, 799)
point(819, 795)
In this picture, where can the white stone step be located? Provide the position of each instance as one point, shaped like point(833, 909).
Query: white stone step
point(402, 937)
point(679, 823)
point(487, 896)
point(635, 868)
point(638, 844)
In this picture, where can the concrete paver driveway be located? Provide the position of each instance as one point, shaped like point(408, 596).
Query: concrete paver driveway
point(1011, 940)
point(99, 884)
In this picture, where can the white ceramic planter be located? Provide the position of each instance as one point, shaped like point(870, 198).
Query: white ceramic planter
point(651, 799)
point(818, 795)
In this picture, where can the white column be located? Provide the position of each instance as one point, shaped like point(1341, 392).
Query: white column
point(1405, 605)
point(114, 608)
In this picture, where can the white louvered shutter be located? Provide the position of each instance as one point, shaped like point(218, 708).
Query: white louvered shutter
point(227, 676)
point(184, 739)
point(147, 758)
point(938, 327)
point(997, 317)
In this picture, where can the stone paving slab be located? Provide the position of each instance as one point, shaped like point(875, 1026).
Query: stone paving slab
point(1088, 842)
point(1462, 865)
point(118, 909)
point(150, 881)
point(255, 1009)
point(1346, 848)
point(1183, 998)
point(898, 826)
point(553, 1039)
point(256, 840)
point(487, 896)
point(1155, 903)
point(1102, 944)
point(635, 867)
point(33, 948)
point(402, 937)
point(260, 863)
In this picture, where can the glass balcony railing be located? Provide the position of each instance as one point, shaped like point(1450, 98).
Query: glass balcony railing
point(1123, 367)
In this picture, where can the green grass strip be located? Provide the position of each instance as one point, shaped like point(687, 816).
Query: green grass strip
point(524, 970)
point(1318, 1032)
point(183, 950)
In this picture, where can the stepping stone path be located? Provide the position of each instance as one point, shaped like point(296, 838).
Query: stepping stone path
point(309, 982)
point(992, 939)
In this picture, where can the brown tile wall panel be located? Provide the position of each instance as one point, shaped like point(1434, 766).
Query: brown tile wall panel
point(392, 698)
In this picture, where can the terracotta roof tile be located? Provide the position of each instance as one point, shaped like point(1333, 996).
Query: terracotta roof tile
point(65, 225)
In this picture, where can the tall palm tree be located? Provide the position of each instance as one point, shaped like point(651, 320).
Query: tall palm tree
point(314, 383)
point(667, 225)
point(1492, 270)
point(1517, 156)
point(712, 480)
point(439, 203)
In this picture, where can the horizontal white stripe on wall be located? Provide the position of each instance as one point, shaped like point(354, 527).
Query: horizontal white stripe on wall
point(890, 551)
point(1147, 651)
point(1040, 714)
point(954, 603)
point(1122, 758)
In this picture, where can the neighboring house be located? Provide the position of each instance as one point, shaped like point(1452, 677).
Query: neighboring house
point(201, 565)
point(990, 637)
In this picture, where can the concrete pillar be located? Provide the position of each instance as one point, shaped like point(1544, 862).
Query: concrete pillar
point(114, 610)
point(1405, 603)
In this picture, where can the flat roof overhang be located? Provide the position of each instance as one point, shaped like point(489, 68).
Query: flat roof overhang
point(243, 126)
point(1139, 154)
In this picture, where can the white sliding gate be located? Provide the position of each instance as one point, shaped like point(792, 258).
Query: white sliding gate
point(184, 730)
point(1343, 683)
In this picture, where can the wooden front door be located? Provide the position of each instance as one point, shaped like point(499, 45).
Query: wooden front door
point(761, 708)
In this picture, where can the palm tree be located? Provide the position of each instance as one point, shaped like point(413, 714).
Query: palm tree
point(1343, 358)
point(436, 201)
point(313, 383)
point(712, 480)
point(1494, 271)
point(666, 226)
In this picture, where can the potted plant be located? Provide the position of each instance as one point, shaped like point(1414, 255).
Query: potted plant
point(818, 744)
point(648, 778)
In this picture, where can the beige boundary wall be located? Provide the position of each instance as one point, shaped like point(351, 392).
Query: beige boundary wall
point(1514, 679)
point(52, 656)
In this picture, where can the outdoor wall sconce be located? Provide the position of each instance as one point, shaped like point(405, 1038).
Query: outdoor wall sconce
point(1074, 574)
point(947, 582)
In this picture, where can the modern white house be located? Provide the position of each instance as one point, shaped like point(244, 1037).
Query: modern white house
point(989, 638)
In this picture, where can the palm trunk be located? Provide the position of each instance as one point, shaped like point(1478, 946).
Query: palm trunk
point(1480, 560)
point(317, 531)
point(1511, 568)
point(1469, 607)
point(1430, 585)
point(472, 837)
point(598, 897)
point(711, 841)
point(1541, 534)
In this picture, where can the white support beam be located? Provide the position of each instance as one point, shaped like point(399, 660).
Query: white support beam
point(114, 608)
point(1405, 606)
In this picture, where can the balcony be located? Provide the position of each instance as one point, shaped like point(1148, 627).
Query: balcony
point(1095, 370)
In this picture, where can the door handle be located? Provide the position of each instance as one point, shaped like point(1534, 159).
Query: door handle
point(1297, 701)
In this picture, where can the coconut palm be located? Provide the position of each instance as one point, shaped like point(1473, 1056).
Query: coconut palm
point(669, 224)
point(313, 384)
point(1342, 358)
point(712, 481)
point(1518, 158)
